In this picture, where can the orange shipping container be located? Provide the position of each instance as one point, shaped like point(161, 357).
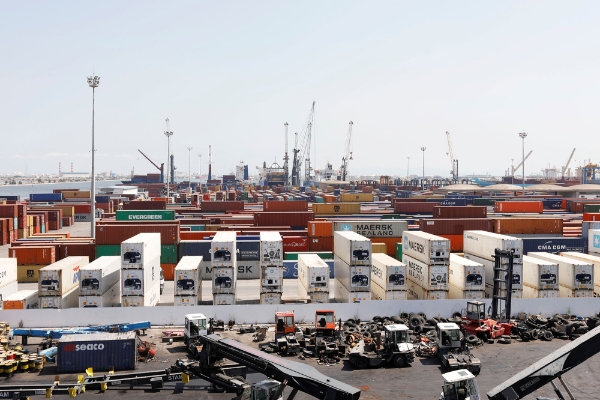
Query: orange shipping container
point(294, 205)
point(168, 271)
point(33, 255)
point(320, 229)
point(456, 242)
point(390, 244)
point(525, 226)
point(320, 243)
point(195, 235)
point(519, 207)
point(591, 216)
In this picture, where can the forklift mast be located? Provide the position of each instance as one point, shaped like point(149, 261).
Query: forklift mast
point(503, 280)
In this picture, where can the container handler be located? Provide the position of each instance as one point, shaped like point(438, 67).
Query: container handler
point(396, 350)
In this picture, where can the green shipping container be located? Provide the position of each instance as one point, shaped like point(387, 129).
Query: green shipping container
point(108, 250)
point(391, 216)
point(244, 196)
point(319, 199)
point(293, 256)
point(484, 201)
point(591, 208)
point(168, 254)
point(399, 251)
point(145, 215)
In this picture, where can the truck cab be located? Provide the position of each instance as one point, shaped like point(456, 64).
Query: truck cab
point(448, 336)
point(459, 385)
point(325, 322)
point(397, 340)
point(284, 324)
point(195, 326)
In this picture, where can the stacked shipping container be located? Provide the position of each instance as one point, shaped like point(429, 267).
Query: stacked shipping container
point(140, 270)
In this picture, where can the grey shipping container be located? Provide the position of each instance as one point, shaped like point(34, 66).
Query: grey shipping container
point(99, 351)
point(195, 248)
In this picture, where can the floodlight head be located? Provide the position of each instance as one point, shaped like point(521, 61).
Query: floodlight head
point(522, 135)
point(93, 81)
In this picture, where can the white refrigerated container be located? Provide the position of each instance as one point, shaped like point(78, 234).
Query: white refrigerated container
point(388, 273)
point(483, 244)
point(8, 271)
point(149, 299)
point(270, 298)
point(573, 274)
point(517, 282)
point(466, 274)
point(416, 292)
point(223, 249)
point(99, 276)
point(313, 273)
point(67, 300)
point(271, 279)
point(425, 247)
point(21, 300)
point(185, 300)
point(271, 248)
point(540, 274)
point(139, 249)
point(566, 292)
point(533, 293)
point(590, 258)
point(187, 276)
point(343, 295)
point(456, 292)
point(61, 277)
point(110, 298)
point(353, 278)
point(352, 248)
point(223, 299)
point(429, 277)
point(224, 280)
point(136, 282)
point(379, 293)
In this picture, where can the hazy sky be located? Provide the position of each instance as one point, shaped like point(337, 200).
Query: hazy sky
point(231, 73)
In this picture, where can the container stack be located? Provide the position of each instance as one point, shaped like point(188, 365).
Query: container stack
point(8, 277)
point(313, 278)
point(575, 278)
point(30, 259)
point(140, 270)
point(479, 246)
point(387, 231)
point(224, 268)
point(100, 283)
point(540, 278)
point(466, 279)
point(352, 266)
point(188, 281)
point(58, 286)
point(427, 258)
point(271, 267)
point(388, 278)
point(592, 259)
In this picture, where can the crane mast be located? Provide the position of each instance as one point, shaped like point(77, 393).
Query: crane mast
point(302, 151)
point(453, 162)
point(347, 153)
point(286, 157)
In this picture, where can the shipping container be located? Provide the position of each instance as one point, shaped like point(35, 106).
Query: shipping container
point(149, 299)
point(517, 282)
point(442, 211)
point(46, 197)
point(588, 258)
point(317, 229)
point(533, 293)
point(354, 278)
point(483, 244)
point(313, 275)
point(541, 226)
point(540, 274)
point(168, 254)
point(21, 300)
point(221, 206)
point(271, 298)
point(294, 205)
point(414, 208)
point(586, 226)
point(200, 248)
point(388, 273)
point(247, 250)
point(271, 249)
point(430, 277)
point(223, 299)
point(110, 298)
point(223, 246)
point(118, 233)
point(589, 216)
point(8, 271)
point(67, 300)
point(295, 244)
point(98, 277)
point(140, 249)
point(317, 244)
point(457, 293)
point(594, 241)
point(271, 279)
point(378, 248)
point(248, 270)
point(357, 197)
point(99, 351)
point(553, 245)
point(61, 277)
point(224, 280)
point(136, 282)
point(144, 205)
point(519, 207)
point(416, 292)
point(466, 274)
point(290, 269)
point(343, 295)
point(33, 255)
point(336, 208)
point(290, 218)
point(573, 274)
point(324, 255)
point(185, 300)
point(425, 247)
point(566, 292)
point(8, 290)
point(188, 277)
point(77, 249)
point(379, 293)
point(145, 215)
point(29, 273)
point(373, 228)
point(352, 248)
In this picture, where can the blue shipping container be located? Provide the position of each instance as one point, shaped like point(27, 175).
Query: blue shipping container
point(248, 250)
point(554, 245)
point(290, 269)
point(194, 248)
point(99, 351)
point(454, 202)
point(102, 199)
point(552, 204)
point(11, 197)
point(46, 197)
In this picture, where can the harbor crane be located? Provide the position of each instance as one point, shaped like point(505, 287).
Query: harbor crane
point(161, 168)
point(513, 169)
point(567, 165)
point(453, 162)
point(347, 153)
point(302, 152)
point(286, 158)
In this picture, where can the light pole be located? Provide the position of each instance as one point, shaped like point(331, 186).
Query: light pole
point(407, 168)
point(423, 150)
point(93, 82)
point(189, 167)
point(200, 166)
point(523, 135)
point(168, 134)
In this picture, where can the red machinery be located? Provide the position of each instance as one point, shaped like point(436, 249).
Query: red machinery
point(476, 322)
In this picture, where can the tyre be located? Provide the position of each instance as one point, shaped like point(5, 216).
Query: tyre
point(399, 361)
point(570, 329)
point(582, 330)
point(414, 320)
point(525, 336)
point(547, 336)
point(491, 341)
point(472, 339)
point(376, 318)
point(592, 322)
point(396, 319)
point(514, 330)
point(218, 388)
point(418, 329)
point(366, 334)
point(485, 336)
point(351, 321)
point(361, 363)
point(504, 340)
point(534, 334)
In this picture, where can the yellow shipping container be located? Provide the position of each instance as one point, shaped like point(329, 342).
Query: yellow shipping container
point(336, 208)
point(23, 233)
point(67, 211)
point(356, 197)
point(212, 228)
point(379, 248)
point(29, 273)
point(77, 194)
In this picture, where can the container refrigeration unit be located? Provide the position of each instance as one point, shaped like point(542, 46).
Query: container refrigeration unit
point(388, 278)
point(592, 259)
point(425, 247)
point(540, 278)
point(517, 291)
point(313, 278)
point(61, 277)
point(100, 276)
point(224, 268)
point(466, 279)
point(352, 248)
point(188, 281)
point(576, 278)
point(140, 250)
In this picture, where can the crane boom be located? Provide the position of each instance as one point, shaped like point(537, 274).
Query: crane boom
point(568, 162)
point(347, 153)
point(302, 152)
point(521, 163)
point(450, 154)
point(161, 168)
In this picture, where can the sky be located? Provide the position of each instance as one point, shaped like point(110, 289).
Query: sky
point(230, 74)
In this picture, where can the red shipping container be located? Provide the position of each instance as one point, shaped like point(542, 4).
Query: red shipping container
point(9, 210)
point(299, 218)
point(294, 205)
point(33, 255)
point(116, 234)
point(591, 216)
point(439, 226)
point(295, 244)
point(576, 206)
point(77, 249)
point(414, 208)
point(525, 226)
point(460, 212)
point(519, 207)
point(287, 232)
point(320, 244)
point(145, 205)
point(456, 242)
point(195, 235)
point(320, 229)
point(221, 206)
point(237, 221)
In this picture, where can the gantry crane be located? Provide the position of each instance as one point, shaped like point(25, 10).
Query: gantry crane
point(302, 152)
point(161, 168)
point(347, 153)
point(567, 165)
point(453, 162)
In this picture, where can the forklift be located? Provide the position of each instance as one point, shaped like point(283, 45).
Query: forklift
point(285, 333)
point(477, 323)
point(325, 338)
point(195, 326)
point(397, 349)
point(452, 349)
